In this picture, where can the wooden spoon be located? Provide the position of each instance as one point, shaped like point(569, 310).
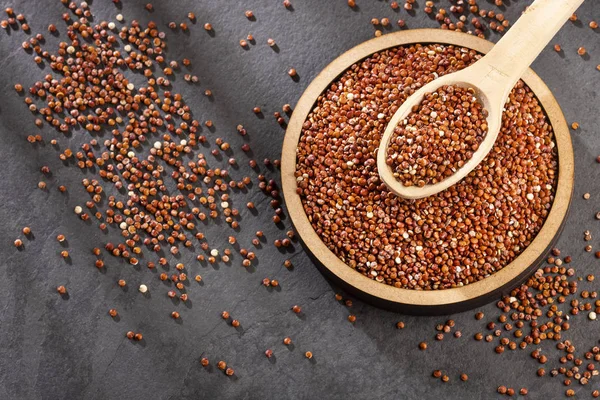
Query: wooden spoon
point(492, 77)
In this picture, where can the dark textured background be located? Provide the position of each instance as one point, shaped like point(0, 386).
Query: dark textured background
point(52, 348)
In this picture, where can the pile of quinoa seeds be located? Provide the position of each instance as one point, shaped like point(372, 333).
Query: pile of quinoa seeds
point(459, 236)
point(149, 180)
point(438, 137)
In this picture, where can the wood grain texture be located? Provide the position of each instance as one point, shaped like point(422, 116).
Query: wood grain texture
point(418, 301)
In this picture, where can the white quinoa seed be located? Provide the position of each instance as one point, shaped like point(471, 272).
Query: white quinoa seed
point(143, 288)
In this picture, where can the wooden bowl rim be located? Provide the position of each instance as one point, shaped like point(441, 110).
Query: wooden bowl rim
point(380, 292)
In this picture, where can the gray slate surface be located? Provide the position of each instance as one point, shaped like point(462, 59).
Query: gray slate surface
point(52, 348)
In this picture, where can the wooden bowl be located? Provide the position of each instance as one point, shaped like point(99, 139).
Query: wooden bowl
point(426, 301)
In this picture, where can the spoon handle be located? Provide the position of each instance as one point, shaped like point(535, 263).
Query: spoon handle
point(524, 41)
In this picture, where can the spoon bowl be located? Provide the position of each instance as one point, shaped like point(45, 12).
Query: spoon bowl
point(493, 104)
point(492, 78)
